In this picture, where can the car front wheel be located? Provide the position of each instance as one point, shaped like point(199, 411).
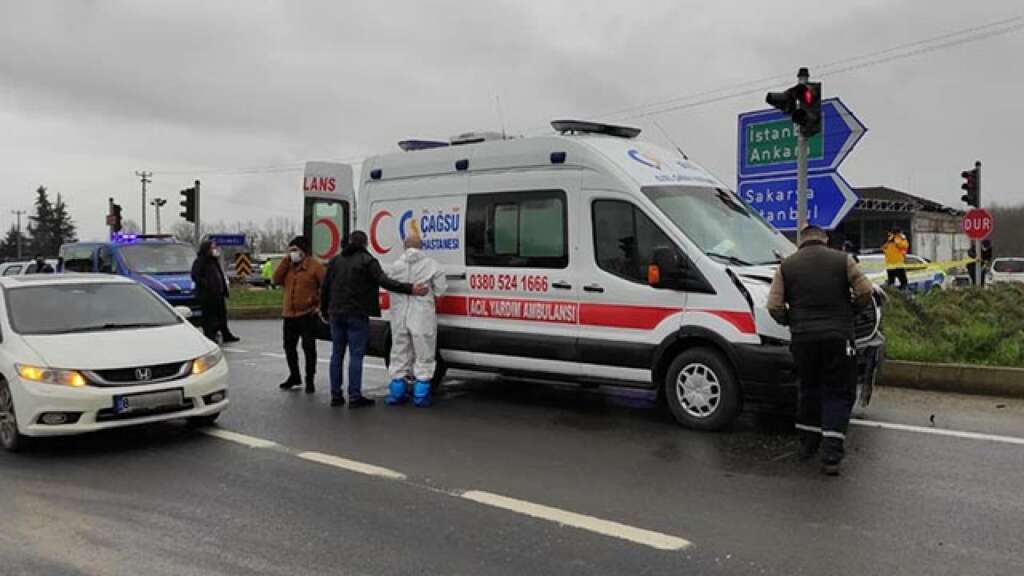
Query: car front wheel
point(701, 390)
point(10, 438)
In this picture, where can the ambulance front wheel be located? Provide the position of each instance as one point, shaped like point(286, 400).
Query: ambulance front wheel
point(701, 390)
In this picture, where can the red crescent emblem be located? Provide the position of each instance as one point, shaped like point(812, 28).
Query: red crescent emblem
point(373, 232)
point(332, 250)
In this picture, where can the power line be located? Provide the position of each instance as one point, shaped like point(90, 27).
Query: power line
point(819, 67)
point(842, 70)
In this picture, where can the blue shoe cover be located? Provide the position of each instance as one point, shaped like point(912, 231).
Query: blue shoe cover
point(396, 392)
point(421, 393)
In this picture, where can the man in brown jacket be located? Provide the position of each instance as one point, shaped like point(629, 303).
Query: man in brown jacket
point(814, 292)
point(302, 277)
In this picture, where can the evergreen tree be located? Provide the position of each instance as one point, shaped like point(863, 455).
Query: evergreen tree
point(63, 226)
point(40, 227)
point(9, 245)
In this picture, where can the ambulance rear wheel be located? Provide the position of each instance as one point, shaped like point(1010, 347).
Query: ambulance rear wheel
point(701, 390)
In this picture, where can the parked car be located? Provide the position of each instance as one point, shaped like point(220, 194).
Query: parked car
point(920, 277)
point(26, 267)
point(13, 268)
point(1007, 270)
point(86, 352)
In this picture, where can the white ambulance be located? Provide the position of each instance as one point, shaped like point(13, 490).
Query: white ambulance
point(586, 255)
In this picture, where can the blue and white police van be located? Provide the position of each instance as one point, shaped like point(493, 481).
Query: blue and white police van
point(159, 262)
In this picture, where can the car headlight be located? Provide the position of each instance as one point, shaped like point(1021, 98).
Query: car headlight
point(204, 363)
point(47, 375)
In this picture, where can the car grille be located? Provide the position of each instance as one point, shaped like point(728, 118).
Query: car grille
point(131, 376)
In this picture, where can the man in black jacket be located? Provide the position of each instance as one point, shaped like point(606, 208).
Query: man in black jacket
point(814, 292)
point(350, 295)
point(212, 291)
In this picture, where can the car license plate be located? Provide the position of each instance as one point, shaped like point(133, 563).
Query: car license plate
point(148, 402)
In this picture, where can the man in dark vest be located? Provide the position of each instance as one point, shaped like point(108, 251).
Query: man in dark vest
point(814, 292)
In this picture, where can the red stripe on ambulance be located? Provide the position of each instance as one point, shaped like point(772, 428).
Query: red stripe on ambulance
point(586, 314)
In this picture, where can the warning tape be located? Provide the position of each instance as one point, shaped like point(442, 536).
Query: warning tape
point(932, 266)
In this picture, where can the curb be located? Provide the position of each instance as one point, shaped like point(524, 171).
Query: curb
point(254, 313)
point(960, 378)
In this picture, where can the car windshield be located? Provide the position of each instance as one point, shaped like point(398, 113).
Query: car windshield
point(85, 308)
point(1008, 266)
point(159, 258)
point(720, 224)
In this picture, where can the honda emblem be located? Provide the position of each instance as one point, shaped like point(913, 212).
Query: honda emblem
point(142, 374)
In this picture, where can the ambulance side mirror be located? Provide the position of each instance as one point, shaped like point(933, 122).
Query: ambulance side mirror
point(666, 269)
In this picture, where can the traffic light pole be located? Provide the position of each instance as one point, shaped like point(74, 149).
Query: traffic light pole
point(979, 261)
point(198, 238)
point(801, 167)
point(801, 183)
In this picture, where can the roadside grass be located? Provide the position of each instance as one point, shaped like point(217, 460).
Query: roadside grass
point(254, 298)
point(968, 326)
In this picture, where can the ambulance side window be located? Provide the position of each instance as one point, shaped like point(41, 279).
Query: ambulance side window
point(517, 229)
point(625, 239)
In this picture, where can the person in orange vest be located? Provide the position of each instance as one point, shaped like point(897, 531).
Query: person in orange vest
point(895, 249)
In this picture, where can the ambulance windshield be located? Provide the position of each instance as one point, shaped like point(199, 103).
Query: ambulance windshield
point(720, 224)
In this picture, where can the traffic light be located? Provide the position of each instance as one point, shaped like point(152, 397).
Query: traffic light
point(808, 113)
point(115, 218)
point(970, 188)
point(188, 204)
point(802, 103)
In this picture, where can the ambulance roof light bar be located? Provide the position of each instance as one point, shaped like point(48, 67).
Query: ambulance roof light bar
point(475, 138)
point(414, 145)
point(585, 127)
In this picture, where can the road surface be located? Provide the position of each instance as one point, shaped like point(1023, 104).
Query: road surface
point(512, 477)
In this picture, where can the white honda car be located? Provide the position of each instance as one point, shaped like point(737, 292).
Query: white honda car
point(87, 352)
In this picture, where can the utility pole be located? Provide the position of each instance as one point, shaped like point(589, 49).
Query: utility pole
point(145, 177)
point(158, 203)
point(17, 214)
point(802, 77)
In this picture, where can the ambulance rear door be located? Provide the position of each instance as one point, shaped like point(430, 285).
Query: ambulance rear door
point(328, 207)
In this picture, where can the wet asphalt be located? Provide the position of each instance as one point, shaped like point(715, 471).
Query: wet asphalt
point(166, 499)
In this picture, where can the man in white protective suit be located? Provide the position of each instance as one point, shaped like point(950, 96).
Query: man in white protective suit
point(414, 325)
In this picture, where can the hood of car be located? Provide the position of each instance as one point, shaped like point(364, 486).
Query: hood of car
point(167, 283)
point(109, 349)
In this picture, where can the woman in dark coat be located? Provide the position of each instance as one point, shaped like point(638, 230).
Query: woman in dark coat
point(212, 291)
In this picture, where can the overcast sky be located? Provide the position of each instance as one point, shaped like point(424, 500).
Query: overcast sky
point(91, 91)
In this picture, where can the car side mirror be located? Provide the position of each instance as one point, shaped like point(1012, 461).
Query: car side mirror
point(184, 311)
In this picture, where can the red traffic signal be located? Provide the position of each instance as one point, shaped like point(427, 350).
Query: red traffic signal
point(802, 103)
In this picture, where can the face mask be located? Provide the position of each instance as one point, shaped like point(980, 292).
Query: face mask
point(215, 252)
point(296, 256)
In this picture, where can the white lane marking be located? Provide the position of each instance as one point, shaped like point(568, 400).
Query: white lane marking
point(250, 441)
point(351, 465)
point(239, 350)
point(614, 529)
point(272, 355)
point(939, 431)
